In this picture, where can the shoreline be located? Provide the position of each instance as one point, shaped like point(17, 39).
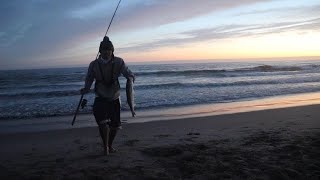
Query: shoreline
point(191, 111)
point(188, 120)
point(276, 143)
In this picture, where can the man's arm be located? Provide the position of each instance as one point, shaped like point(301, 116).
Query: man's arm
point(89, 80)
point(126, 72)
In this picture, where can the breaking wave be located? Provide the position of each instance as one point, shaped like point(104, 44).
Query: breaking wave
point(221, 72)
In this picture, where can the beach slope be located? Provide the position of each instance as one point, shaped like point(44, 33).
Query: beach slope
point(269, 144)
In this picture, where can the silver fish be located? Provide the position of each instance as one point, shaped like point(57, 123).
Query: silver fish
point(130, 96)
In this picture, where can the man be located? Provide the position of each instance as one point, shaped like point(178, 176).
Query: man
point(106, 70)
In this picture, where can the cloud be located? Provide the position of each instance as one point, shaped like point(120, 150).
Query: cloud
point(151, 13)
point(18, 32)
point(156, 13)
point(39, 27)
point(301, 10)
point(46, 26)
point(226, 32)
point(92, 11)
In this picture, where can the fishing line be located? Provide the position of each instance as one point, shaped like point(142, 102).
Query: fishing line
point(110, 23)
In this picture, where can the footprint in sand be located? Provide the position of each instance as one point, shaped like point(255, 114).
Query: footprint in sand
point(131, 142)
point(77, 141)
point(191, 139)
point(190, 134)
point(187, 139)
point(83, 147)
point(162, 135)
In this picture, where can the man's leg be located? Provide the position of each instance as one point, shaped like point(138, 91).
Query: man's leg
point(112, 135)
point(99, 111)
point(104, 134)
point(115, 123)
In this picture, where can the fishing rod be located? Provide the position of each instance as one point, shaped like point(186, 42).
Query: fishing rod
point(110, 23)
point(83, 102)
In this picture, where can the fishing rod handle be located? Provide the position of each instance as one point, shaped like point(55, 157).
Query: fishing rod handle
point(77, 110)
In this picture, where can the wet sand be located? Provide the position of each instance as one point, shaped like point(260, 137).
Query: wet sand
point(268, 144)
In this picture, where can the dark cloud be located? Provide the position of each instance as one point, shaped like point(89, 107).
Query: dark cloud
point(48, 17)
point(45, 16)
point(35, 27)
point(32, 28)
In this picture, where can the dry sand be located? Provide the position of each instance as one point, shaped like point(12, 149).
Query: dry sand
point(268, 144)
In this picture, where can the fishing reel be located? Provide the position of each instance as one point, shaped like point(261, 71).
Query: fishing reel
point(83, 103)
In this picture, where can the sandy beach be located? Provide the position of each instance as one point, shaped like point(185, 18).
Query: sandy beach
point(268, 144)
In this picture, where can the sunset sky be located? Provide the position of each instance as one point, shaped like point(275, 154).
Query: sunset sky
point(47, 33)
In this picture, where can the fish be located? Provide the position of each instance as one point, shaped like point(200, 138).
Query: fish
point(130, 95)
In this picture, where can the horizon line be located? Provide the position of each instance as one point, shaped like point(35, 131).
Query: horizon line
point(272, 59)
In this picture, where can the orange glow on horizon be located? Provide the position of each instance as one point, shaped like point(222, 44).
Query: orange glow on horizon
point(289, 45)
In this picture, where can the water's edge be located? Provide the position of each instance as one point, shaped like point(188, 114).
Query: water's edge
point(191, 111)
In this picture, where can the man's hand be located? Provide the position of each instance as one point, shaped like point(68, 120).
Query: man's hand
point(132, 78)
point(84, 91)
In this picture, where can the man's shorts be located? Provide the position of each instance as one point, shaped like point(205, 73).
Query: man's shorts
point(104, 110)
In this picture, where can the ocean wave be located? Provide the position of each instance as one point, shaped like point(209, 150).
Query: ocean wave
point(42, 86)
point(211, 85)
point(28, 79)
point(224, 72)
point(173, 72)
point(62, 93)
point(20, 112)
point(268, 68)
point(41, 94)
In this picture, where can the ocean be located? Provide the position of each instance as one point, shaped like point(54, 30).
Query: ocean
point(55, 92)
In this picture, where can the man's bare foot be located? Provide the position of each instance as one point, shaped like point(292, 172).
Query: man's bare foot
point(106, 151)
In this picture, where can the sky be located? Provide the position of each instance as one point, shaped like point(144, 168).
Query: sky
point(67, 33)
